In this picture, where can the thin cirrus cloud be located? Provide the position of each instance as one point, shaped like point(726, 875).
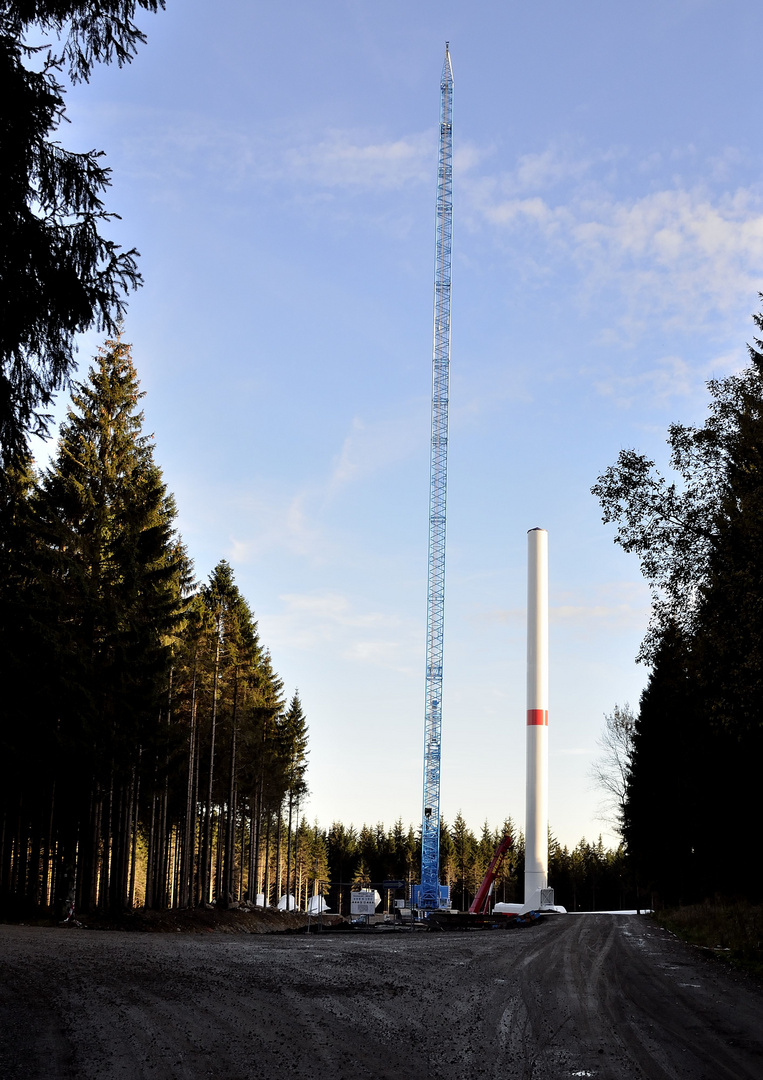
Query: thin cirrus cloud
point(573, 615)
point(352, 159)
point(316, 619)
point(342, 159)
point(290, 524)
point(325, 619)
point(185, 146)
point(274, 520)
point(372, 446)
point(622, 605)
point(611, 615)
point(671, 377)
point(711, 235)
point(685, 253)
point(180, 148)
point(640, 247)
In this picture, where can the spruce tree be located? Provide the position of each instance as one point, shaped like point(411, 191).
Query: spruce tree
point(464, 850)
point(342, 846)
point(293, 732)
point(59, 273)
point(27, 728)
point(110, 587)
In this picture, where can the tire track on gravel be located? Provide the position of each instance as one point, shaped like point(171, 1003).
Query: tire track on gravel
point(609, 997)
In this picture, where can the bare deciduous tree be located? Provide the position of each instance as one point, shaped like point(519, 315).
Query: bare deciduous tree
point(610, 770)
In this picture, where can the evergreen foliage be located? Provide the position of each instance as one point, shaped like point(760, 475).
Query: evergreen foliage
point(99, 591)
point(151, 756)
point(58, 273)
point(692, 787)
point(585, 878)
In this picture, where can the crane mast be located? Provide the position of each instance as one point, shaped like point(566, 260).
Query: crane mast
point(429, 894)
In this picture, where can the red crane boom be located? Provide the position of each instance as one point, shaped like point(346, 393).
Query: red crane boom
point(482, 899)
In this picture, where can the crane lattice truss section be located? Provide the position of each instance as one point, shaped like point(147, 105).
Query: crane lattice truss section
point(429, 895)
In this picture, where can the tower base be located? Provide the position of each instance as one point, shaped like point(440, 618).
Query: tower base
point(540, 900)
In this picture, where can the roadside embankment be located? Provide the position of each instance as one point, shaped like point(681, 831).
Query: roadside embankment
point(731, 930)
point(200, 920)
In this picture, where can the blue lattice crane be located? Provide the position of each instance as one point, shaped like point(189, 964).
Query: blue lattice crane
point(428, 894)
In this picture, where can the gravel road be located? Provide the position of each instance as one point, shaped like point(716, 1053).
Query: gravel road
point(611, 997)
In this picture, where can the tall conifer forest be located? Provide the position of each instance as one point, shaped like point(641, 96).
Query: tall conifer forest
point(148, 752)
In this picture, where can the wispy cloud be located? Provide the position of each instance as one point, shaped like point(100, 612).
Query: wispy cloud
point(615, 615)
point(330, 620)
point(671, 377)
point(270, 519)
point(682, 255)
point(708, 249)
point(614, 604)
point(184, 147)
point(681, 250)
point(350, 160)
point(329, 607)
point(641, 248)
point(373, 445)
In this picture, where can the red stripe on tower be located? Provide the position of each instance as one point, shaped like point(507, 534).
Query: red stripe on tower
point(537, 717)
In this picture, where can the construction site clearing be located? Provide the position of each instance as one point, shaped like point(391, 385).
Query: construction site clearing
point(212, 919)
point(612, 997)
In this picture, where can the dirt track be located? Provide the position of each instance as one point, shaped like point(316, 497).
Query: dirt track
point(611, 997)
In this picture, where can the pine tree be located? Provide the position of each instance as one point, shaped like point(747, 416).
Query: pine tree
point(241, 702)
point(483, 853)
point(317, 871)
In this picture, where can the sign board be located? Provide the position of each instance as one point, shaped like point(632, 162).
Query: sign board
point(363, 902)
point(393, 884)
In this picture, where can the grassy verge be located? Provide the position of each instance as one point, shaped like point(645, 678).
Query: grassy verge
point(731, 931)
point(188, 921)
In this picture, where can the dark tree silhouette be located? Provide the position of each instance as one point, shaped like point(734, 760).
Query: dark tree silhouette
point(59, 272)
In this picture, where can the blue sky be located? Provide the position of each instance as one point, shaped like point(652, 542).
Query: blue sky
point(276, 167)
